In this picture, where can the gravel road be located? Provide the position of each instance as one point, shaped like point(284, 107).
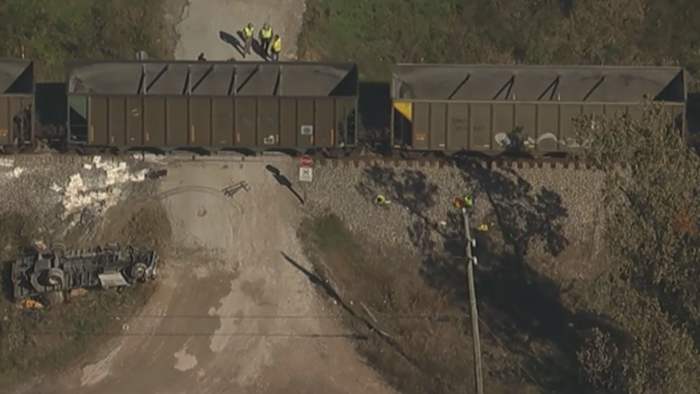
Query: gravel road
point(211, 26)
point(231, 314)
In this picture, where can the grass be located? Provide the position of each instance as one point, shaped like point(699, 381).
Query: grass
point(377, 34)
point(427, 347)
point(34, 342)
point(46, 340)
point(51, 32)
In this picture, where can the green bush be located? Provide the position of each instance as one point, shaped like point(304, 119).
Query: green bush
point(652, 205)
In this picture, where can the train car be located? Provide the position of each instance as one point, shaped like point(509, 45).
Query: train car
point(477, 108)
point(16, 103)
point(288, 106)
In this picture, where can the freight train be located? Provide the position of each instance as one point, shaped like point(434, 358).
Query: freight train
point(301, 107)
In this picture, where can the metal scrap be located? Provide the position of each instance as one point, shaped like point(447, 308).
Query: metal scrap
point(231, 190)
point(43, 271)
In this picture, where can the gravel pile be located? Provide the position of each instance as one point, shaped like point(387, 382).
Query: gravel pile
point(552, 212)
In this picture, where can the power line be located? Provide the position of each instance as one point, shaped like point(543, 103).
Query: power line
point(192, 334)
point(386, 316)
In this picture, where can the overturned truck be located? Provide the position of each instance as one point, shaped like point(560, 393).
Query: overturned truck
point(43, 271)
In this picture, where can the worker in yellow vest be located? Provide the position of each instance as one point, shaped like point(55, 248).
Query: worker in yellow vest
point(463, 202)
point(248, 33)
point(381, 200)
point(266, 38)
point(276, 48)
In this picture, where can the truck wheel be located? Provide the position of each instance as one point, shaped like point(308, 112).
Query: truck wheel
point(138, 272)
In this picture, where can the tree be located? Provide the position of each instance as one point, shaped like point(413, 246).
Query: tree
point(652, 205)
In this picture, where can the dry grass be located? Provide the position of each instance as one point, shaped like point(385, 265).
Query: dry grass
point(424, 344)
point(33, 342)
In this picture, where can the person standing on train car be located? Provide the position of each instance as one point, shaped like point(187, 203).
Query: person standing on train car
point(276, 48)
point(248, 33)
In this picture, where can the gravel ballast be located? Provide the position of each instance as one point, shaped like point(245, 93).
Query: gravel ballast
point(553, 214)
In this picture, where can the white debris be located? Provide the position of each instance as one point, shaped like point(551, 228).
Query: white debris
point(14, 174)
point(97, 190)
point(149, 157)
point(139, 176)
point(97, 161)
point(7, 162)
point(56, 188)
point(17, 172)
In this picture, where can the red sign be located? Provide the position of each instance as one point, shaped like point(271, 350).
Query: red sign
point(306, 161)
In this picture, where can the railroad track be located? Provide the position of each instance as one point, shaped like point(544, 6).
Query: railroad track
point(513, 163)
point(352, 158)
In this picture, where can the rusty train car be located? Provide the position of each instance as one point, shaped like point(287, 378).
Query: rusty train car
point(212, 105)
point(16, 102)
point(476, 108)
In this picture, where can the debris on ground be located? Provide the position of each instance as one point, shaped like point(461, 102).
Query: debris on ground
point(231, 190)
point(98, 188)
point(155, 174)
point(9, 170)
point(79, 292)
point(46, 272)
point(30, 304)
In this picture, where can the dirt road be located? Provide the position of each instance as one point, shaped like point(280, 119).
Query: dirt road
point(231, 314)
point(211, 26)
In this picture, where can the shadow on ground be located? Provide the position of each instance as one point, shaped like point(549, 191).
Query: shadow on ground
point(233, 41)
point(521, 310)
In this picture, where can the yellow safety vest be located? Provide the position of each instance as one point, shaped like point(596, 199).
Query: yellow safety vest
point(468, 201)
point(248, 32)
point(277, 45)
point(266, 33)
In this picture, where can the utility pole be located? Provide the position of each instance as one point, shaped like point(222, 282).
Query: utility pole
point(471, 261)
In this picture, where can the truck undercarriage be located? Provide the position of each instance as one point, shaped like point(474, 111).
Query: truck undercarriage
point(43, 270)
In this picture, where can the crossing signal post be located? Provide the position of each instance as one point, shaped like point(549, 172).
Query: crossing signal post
point(471, 262)
point(306, 169)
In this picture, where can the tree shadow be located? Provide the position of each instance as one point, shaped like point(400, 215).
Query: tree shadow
point(566, 7)
point(522, 307)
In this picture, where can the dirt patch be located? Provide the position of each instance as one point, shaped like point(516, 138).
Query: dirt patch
point(420, 339)
point(146, 226)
